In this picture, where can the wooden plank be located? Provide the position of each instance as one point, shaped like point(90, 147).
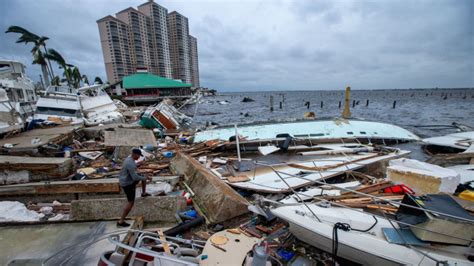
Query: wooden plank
point(131, 237)
point(240, 178)
point(163, 241)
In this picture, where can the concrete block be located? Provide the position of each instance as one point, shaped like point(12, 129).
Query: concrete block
point(423, 178)
point(39, 168)
point(154, 209)
point(219, 201)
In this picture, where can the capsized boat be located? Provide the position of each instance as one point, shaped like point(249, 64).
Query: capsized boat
point(367, 244)
point(313, 130)
point(456, 142)
point(59, 105)
point(97, 106)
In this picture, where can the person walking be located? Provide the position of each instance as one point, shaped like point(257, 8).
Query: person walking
point(128, 180)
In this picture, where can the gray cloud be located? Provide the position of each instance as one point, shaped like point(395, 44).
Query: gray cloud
point(265, 45)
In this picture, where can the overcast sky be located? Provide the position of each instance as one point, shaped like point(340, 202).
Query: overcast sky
point(278, 45)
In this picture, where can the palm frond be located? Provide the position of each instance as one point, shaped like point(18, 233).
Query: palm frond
point(55, 56)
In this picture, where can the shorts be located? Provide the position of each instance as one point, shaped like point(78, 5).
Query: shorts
point(130, 191)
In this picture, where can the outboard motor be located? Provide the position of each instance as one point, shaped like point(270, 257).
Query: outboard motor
point(286, 143)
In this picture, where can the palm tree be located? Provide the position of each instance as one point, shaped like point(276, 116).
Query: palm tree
point(85, 79)
point(71, 73)
point(98, 80)
point(56, 81)
point(76, 77)
point(38, 55)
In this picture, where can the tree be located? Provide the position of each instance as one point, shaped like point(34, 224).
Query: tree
point(98, 80)
point(38, 54)
point(85, 79)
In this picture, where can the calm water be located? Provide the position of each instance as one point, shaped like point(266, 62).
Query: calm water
point(413, 107)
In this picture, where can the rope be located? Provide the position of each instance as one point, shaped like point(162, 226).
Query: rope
point(344, 227)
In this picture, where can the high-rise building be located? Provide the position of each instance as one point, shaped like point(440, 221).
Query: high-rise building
point(140, 38)
point(178, 32)
point(193, 55)
point(149, 38)
point(158, 15)
point(115, 42)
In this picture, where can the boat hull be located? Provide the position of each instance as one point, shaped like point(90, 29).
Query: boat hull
point(367, 248)
point(314, 130)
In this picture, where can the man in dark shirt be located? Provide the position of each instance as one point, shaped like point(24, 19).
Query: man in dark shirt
point(128, 180)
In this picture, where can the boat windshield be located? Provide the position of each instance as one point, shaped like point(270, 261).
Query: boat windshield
point(58, 111)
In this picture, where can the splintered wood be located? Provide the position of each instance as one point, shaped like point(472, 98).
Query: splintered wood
point(204, 147)
point(355, 200)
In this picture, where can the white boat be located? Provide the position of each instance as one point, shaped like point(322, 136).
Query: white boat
point(366, 248)
point(59, 105)
point(19, 88)
point(313, 130)
point(10, 119)
point(304, 173)
point(458, 141)
point(98, 107)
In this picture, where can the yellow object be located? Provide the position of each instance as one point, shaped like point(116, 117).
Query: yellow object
point(234, 231)
point(309, 115)
point(467, 195)
point(219, 240)
point(347, 112)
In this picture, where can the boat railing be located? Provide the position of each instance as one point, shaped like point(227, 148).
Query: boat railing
point(374, 197)
point(323, 182)
point(114, 237)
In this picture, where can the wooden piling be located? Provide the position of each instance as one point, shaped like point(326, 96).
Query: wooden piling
point(367, 103)
point(271, 103)
point(347, 112)
point(322, 104)
point(339, 104)
point(281, 105)
point(394, 104)
point(353, 103)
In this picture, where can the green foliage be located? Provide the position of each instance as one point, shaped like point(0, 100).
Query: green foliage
point(43, 57)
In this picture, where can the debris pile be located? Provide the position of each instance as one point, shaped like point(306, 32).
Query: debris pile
point(276, 193)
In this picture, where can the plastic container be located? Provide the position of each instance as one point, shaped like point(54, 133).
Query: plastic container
point(168, 154)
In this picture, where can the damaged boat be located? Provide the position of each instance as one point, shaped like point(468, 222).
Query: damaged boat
point(59, 105)
point(17, 97)
point(10, 119)
point(366, 238)
point(164, 116)
point(18, 87)
point(97, 106)
point(283, 177)
point(88, 105)
point(324, 130)
point(452, 143)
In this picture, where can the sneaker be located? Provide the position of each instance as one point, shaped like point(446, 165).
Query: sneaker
point(123, 224)
point(145, 195)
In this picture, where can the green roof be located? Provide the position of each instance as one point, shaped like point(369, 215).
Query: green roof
point(148, 80)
